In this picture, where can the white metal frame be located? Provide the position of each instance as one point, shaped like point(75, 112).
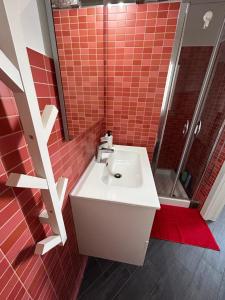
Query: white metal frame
point(51, 28)
point(37, 129)
point(199, 107)
point(215, 201)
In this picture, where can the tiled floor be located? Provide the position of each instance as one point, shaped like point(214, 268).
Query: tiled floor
point(171, 271)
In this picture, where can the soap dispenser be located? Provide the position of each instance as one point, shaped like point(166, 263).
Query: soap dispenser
point(108, 138)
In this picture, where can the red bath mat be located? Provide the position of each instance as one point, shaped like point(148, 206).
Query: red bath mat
point(182, 225)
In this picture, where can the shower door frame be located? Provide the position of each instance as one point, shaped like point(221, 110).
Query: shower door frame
point(199, 106)
point(170, 81)
point(168, 98)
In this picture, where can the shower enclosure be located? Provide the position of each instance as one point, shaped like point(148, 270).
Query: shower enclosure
point(193, 111)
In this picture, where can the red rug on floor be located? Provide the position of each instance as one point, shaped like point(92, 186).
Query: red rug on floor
point(182, 225)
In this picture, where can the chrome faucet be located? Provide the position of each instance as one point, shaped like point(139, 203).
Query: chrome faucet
point(101, 149)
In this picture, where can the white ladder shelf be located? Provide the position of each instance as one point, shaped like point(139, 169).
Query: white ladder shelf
point(37, 129)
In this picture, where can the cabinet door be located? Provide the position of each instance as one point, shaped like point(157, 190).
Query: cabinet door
point(112, 231)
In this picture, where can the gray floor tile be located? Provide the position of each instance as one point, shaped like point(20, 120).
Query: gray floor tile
point(108, 285)
point(221, 293)
point(205, 284)
point(104, 264)
point(171, 285)
point(142, 281)
point(92, 272)
point(189, 256)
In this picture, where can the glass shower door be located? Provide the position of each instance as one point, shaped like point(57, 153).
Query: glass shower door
point(210, 125)
point(193, 63)
point(196, 61)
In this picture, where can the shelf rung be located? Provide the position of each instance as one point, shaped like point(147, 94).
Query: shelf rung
point(48, 119)
point(61, 188)
point(44, 219)
point(47, 244)
point(26, 181)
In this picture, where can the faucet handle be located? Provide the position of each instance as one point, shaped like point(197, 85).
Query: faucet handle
point(102, 143)
point(106, 136)
point(104, 139)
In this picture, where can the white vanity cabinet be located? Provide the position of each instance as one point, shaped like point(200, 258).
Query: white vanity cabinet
point(113, 217)
point(112, 230)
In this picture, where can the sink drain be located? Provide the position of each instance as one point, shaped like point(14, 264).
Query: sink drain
point(117, 175)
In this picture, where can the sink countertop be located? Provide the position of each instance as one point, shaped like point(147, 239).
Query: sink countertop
point(91, 185)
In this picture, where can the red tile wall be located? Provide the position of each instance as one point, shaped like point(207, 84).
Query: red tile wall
point(193, 65)
point(139, 45)
point(79, 35)
point(57, 274)
point(135, 41)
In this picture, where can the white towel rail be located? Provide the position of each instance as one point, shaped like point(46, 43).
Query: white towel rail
point(37, 129)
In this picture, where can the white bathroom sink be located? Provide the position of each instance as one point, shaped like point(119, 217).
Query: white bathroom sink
point(135, 187)
point(123, 169)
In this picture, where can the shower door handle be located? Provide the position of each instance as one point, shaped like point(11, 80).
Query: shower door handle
point(186, 127)
point(198, 128)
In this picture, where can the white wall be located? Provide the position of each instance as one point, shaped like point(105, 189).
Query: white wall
point(194, 34)
point(31, 20)
point(6, 43)
point(34, 24)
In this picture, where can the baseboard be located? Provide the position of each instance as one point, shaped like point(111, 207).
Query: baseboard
point(174, 202)
point(80, 278)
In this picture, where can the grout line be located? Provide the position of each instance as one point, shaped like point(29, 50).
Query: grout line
point(7, 135)
point(11, 97)
point(17, 293)
point(9, 117)
point(16, 274)
point(22, 163)
point(2, 290)
point(15, 150)
point(42, 69)
point(32, 238)
point(6, 268)
point(42, 264)
point(2, 241)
